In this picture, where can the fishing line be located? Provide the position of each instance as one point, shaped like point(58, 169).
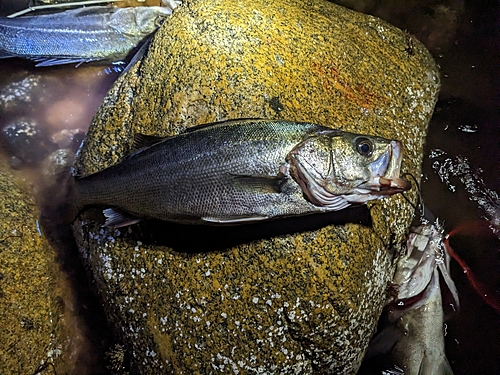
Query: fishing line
point(59, 5)
point(419, 195)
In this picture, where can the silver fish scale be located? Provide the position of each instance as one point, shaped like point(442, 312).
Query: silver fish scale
point(85, 34)
point(220, 172)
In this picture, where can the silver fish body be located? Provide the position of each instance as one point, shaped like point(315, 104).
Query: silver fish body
point(415, 339)
point(79, 35)
point(420, 347)
point(247, 170)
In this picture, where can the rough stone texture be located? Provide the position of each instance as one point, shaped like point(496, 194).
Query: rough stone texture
point(31, 330)
point(303, 302)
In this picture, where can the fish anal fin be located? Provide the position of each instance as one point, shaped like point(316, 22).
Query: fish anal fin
point(261, 183)
point(223, 122)
point(115, 219)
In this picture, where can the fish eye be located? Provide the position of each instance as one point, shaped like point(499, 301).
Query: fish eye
point(364, 146)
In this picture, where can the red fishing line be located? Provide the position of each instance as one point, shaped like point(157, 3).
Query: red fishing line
point(492, 299)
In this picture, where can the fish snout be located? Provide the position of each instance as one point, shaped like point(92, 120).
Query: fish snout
point(386, 170)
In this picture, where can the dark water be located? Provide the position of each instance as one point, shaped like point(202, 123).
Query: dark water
point(461, 179)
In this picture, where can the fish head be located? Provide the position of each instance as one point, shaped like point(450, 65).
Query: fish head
point(331, 164)
point(138, 21)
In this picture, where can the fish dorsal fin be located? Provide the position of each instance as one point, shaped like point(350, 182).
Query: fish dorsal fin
point(88, 11)
point(142, 141)
point(225, 122)
point(260, 183)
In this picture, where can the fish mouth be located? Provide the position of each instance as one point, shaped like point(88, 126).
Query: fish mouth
point(385, 172)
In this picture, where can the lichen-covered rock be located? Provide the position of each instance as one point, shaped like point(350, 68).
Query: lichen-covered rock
point(32, 333)
point(299, 301)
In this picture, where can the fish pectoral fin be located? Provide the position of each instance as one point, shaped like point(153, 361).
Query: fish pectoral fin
point(51, 61)
point(384, 341)
point(117, 219)
point(261, 183)
point(241, 220)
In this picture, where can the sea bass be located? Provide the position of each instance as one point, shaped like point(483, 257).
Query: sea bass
point(245, 170)
point(79, 35)
point(415, 339)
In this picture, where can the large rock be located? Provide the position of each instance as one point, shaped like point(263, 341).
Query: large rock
point(32, 328)
point(285, 299)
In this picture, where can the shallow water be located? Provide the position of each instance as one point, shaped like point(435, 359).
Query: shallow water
point(460, 181)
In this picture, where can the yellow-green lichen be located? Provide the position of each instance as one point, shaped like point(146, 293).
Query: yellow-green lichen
point(31, 330)
point(296, 303)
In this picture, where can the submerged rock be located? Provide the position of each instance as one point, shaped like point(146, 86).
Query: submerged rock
point(293, 296)
point(25, 93)
point(26, 140)
point(32, 330)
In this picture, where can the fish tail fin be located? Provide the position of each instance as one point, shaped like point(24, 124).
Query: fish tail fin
point(70, 207)
point(430, 367)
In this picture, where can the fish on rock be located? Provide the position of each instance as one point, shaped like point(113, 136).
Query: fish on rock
point(415, 338)
point(242, 171)
point(79, 35)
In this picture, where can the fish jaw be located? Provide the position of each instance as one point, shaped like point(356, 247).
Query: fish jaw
point(385, 176)
point(314, 191)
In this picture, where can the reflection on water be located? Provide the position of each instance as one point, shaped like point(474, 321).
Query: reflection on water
point(459, 167)
point(44, 113)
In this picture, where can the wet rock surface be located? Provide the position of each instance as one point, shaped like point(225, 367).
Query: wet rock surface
point(32, 331)
point(294, 299)
point(23, 92)
point(26, 141)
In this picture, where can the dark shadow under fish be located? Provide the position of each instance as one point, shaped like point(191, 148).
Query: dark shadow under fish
point(244, 171)
point(95, 33)
point(192, 239)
